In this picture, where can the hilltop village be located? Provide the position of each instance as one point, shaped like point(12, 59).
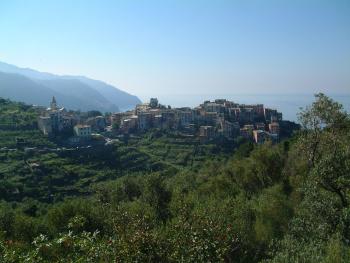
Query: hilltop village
point(210, 120)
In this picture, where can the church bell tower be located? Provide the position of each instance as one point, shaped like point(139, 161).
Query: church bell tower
point(53, 103)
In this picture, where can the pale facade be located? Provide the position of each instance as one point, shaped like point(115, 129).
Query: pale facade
point(82, 130)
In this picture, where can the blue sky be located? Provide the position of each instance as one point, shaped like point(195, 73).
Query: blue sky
point(184, 47)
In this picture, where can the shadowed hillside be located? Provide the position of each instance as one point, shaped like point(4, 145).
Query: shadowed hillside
point(74, 92)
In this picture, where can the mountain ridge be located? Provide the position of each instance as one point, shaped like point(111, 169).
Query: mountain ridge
point(89, 94)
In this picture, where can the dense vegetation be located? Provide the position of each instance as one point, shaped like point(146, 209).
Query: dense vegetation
point(167, 198)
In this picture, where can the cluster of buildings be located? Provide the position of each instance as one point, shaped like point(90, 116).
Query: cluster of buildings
point(56, 120)
point(212, 119)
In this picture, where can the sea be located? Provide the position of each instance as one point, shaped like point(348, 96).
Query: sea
point(289, 105)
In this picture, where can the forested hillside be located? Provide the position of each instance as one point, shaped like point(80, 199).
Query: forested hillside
point(167, 198)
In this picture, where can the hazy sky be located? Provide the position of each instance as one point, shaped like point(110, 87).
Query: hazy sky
point(184, 47)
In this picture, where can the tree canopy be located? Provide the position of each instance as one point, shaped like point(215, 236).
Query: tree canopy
point(165, 198)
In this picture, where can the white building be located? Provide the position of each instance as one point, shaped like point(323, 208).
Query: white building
point(82, 130)
point(52, 116)
point(44, 124)
point(259, 136)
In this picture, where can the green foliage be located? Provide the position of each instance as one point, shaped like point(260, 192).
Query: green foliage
point(203, 236)
point(157, 196)
point(273, 212)
point(164, 197)
point(261, 169)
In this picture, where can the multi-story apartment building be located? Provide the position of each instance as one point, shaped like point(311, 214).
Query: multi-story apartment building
point(44, 124)
point(82, 130)
point(144, 120)
point(206, 132)
point(219, 117)
point(274, 128)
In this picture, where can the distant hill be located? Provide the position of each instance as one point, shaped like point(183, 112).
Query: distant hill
point(72, 92)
